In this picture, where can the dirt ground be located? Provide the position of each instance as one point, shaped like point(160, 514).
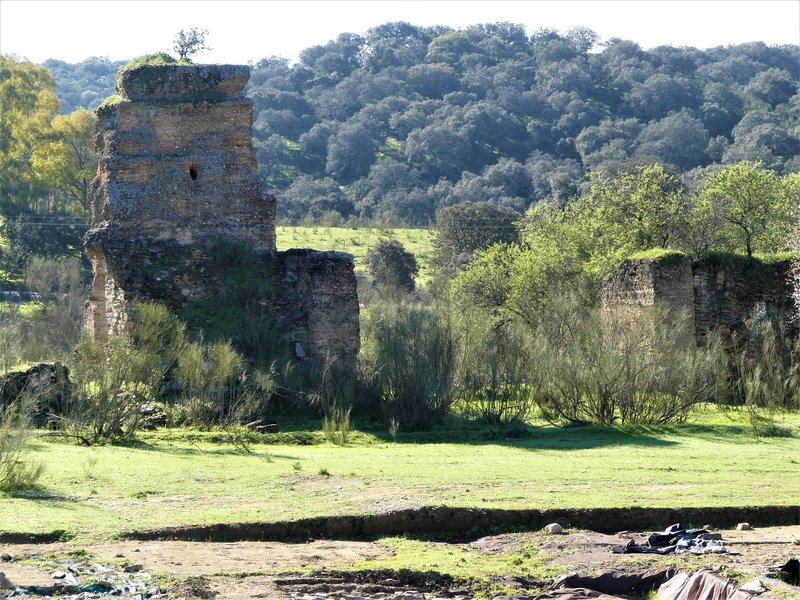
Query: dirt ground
point(264, 569)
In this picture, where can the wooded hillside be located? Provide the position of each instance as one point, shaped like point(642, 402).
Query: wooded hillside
point(403, 120)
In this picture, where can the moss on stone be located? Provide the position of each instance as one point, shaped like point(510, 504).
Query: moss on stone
point(159, 58)
point(663, 255)
point(105, 112)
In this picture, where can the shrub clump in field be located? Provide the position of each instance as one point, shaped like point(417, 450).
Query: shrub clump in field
point(602, 367)
point(17, 471)
point(390, 264)
point(410, 352)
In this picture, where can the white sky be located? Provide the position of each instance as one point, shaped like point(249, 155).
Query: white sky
point(242, 31)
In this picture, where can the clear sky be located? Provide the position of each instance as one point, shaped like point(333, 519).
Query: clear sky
point(242, 31)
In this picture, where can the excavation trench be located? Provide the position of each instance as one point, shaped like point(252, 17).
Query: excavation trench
point(448, 522)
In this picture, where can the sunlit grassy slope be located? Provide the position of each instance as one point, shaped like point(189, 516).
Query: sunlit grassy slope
point(179, 477)
point(357, 241)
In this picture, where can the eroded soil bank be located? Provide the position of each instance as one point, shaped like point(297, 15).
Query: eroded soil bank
point(370, 569)
point(461, 521)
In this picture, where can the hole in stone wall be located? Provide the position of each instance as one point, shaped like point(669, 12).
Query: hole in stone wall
point(193, 173)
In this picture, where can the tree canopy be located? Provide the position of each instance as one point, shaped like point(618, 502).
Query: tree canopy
point(406, 120)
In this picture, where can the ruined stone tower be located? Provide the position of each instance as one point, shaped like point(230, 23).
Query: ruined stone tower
point(179, 217)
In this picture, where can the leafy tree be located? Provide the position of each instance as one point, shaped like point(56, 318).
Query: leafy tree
point(641, 209)
point(449, 47)
point(749, 202)
point(390, 264)
point(54, 234)
point(28, 104)
point(432, 80)
point(450, 105)
point(189, 42)
point(466, 228)
point(310, 198)
point(773, 86)
point(679, 139)
point(351, 152)
point(395, 44)
point(336, 59)
point(661, 94)
point(66, 162)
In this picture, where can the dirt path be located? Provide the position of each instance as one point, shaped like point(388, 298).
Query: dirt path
point(263, 569)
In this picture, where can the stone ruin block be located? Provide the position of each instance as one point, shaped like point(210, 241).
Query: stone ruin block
point(639, 285)
point(179, 217)
point(717, 292)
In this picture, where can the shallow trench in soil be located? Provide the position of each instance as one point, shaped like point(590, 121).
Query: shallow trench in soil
point(325, 568)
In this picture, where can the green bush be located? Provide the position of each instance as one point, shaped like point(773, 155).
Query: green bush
point(410, 349)
point(766, 364)
point(494, 376)
point(208, 375)
point(9, 335)
point(336, 426)
point(16, 471)
point(390, 264)
point(52, 331)
point(605, 367)
point(116, 377)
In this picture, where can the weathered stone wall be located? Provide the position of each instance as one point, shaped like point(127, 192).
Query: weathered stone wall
point(796, 270)
point(640, 284)
point(717, 292)
point(725, 291)
point(183, 170)
point(179, 217)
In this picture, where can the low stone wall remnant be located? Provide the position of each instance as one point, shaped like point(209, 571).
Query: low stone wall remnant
point(717, 292)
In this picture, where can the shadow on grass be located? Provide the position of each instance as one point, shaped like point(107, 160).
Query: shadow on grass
point(450, 430)
point(532, 437)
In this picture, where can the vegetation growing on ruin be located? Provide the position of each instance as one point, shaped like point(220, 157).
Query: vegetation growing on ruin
point(664, 255)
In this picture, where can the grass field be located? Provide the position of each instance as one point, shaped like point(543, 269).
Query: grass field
point(179, 477)
point(357, 241)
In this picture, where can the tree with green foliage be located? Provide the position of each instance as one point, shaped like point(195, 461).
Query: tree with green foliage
point(191, 41)
point(67, 163)
point(390, 264)
point(747, 200)
point(642, 208)
point(464, 229)
point(28, 104)
point(453, 107)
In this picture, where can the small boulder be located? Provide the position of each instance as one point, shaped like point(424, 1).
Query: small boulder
point(753, 587)
point(743, 527)
point(553, 528)
point(6, 557)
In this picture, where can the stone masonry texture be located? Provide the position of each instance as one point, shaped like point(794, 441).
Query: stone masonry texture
point(179, 217)
point(716, 292)
point(796, 269)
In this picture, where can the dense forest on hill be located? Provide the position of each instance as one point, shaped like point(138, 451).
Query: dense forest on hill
point(85, 84)
point(399, 122)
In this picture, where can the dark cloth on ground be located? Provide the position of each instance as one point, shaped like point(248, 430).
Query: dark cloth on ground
point(790, 572)
point(676, 539)
point(702, 585)
point(618, 582)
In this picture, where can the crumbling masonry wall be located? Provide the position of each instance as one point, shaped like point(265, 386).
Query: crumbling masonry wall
point(179, 217)
point(796, 269)
point(717, 292)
